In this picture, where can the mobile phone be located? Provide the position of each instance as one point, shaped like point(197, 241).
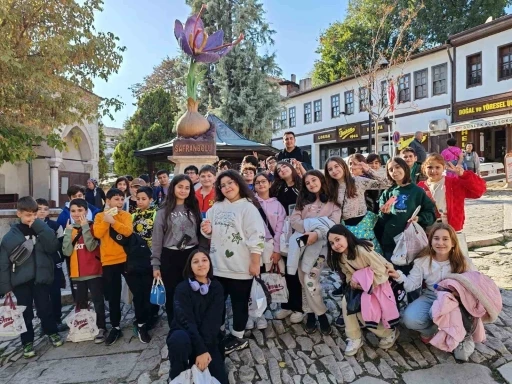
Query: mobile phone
point(302, 241)
point(183, 242)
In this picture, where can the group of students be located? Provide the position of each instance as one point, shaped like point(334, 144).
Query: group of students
point(209, 239)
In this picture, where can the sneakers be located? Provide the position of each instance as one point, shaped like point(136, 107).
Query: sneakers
point(28, 351)
point(353, 346)
point(283, 314)
point(250, 323)
point(61, 327)
point(113, 335)
point(340, 322)
point(100, 337)
point(56, 340)
point(143, 335)
point(261, 322)
point(325, 327)
point(310, 326)
point(296, 317)
point(339, 291)
point(233, 343)
point(388, 342)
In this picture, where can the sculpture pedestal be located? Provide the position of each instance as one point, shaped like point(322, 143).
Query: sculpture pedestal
point(182, 162)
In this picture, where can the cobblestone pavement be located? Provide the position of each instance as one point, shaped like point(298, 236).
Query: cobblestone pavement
point(284, 353)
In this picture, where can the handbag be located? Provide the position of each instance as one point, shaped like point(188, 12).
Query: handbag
point(82, 325)
point(353, 299)
point(276, 284)
point(12, 322)
point(259, 299)
point(21, 253)
point(157, 295)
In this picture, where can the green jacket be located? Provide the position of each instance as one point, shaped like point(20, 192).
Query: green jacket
point(408, 199)
point(416, 175)
point(38, 267)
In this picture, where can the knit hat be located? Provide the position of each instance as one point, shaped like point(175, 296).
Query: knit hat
point(94, 181)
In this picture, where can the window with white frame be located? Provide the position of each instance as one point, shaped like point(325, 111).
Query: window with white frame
point(421, 84)
point(317, 111)
point(335, 105)
point(349, 102)
point(307, 113)
point(291, 117)
point(404, 88)
point(439, 79)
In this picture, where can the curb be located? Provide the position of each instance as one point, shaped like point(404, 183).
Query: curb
point(485, 241)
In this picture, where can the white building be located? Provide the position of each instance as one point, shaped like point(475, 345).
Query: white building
point(332, 120)
point(112, 138)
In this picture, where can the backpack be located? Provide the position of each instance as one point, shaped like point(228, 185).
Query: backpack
point(138, 254)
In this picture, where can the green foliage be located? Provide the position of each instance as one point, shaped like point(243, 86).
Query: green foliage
point(372, 28)
point(103, 160)
point(49, 55)
point(151, 124)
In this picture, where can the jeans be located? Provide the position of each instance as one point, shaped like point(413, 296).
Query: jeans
point(418, 314)
point(182, 356)
point(55, 296)
point(29, 293)
point(94, 285)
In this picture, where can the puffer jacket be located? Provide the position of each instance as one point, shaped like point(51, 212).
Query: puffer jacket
point(39, 266)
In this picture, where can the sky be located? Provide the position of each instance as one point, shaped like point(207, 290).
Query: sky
point(146, 29)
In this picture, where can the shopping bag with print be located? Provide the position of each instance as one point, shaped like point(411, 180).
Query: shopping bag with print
point(184, 377)
point(409, 243)
point(276, 284)
point(157, 296)
point(285, 237)
point(202, 377)
point(259, 299)
point(82, 325)
point(11, 318)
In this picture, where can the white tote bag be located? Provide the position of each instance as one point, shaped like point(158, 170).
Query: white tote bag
point(409, 243)
point(11, 318)
point(82, 326)
point(195, 376)
point(257, 300)
point(276, 284)
point(285, 237)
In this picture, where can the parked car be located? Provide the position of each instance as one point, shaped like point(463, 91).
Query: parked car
point(491, 170)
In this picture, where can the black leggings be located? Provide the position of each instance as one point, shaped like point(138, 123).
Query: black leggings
point(239, 291)
point(294, 292)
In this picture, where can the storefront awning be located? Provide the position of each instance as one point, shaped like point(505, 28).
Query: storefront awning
point(481, 123)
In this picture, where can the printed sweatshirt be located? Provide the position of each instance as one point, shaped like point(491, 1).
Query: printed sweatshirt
point(205, 202)
point(111, 252)
point(84, 262)
point(237, 231)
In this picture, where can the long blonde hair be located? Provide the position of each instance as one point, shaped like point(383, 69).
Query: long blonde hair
point(457, 259)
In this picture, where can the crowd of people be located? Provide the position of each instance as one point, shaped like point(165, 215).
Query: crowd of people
point(210, 231)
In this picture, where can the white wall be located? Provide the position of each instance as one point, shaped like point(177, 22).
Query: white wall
point(490, 84)
point(15, 177)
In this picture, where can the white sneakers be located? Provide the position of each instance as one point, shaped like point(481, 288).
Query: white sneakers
point(353, 346)
point(295, 317)
point(260, 323)
point(388, 342)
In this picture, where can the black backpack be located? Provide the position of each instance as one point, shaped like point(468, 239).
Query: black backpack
point(138, 254)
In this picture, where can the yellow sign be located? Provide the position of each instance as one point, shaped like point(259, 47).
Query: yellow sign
point(405, 141)
point(486, 107)
point(350, 132)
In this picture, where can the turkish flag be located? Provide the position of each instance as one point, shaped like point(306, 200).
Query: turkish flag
point(391, 95)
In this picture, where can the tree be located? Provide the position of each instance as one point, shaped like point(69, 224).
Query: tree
point(348, 43)
point(151, 124)
point(49, 55)
point(240, 85)
point(103, 166)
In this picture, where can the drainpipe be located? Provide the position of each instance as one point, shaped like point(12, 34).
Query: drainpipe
point(453, 82)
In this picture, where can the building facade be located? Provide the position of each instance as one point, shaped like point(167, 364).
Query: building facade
point(431, 94)
point(112, 136)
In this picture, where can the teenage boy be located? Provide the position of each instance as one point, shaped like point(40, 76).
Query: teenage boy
point(75, 192)
point(271, 167)
point(160, 192)
point(59, 281)
point(31, 280)
point(192, 172)
point(146, 313)
point(223, 165)
point(409, 156)
point(85, 271)
point(113, 256)
point(248, 173)
point(206, 194)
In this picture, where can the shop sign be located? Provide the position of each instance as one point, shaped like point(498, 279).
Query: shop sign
point(383, 128)
point(482, 108)
point(325, 136)
point(463, 138)
point(405, 141)
point(481, 123)
point(349, 132)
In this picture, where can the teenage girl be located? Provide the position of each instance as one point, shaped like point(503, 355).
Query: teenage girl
point(449, 193)
point(314, 201)
point(347, 253)
point(193, 336)
point(285, 189)
point(275, 215)
point(175, 235)
point(237, 234)
point(122, 184)
point(444, 257)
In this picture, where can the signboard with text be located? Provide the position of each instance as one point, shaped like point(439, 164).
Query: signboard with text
point(473, 110)
point(324, 136)
point(348, 132)
point(383, 128)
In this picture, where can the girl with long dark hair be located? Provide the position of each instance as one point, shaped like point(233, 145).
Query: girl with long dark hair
point(237, 234)
point(123, 185)
point(175, 234)
point(348, 254)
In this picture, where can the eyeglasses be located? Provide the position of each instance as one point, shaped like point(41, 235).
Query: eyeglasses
point(261, 182)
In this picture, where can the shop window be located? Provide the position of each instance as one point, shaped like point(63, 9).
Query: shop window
point(307, 113)
point(317, 106)
point(291, 117)
point(439, 79)
point(349, 102)
point(335, 106)
point(384, 94)
point(364, 101)
point(421, 84)
point(474, 70)
point(505, 62)
point(404, 88)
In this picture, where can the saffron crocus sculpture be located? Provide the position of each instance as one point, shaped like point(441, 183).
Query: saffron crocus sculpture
point(201, 48)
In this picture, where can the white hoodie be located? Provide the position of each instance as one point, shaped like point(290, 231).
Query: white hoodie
point(237, 231)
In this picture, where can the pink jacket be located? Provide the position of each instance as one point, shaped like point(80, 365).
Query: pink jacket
point(378, 303)
point(480, 296)
point(276, 215)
